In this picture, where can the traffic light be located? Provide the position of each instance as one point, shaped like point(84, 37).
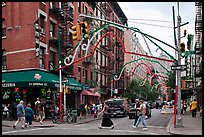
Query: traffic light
point(189, 42)
point(85, 29)
point(77, 32)
point(182, 49)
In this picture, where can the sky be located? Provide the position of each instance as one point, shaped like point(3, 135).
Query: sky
point(140, 14)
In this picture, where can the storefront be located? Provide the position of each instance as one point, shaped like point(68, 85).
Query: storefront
point(89, 95)
point(27, 85)
point(73, 94)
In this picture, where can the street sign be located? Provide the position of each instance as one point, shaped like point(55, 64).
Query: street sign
point(179, 67)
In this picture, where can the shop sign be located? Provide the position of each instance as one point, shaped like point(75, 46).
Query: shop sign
point(8, 85)
point(37, 84)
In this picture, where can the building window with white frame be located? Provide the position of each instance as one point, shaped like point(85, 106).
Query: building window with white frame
point(3, 59)
point(52, 60)
point(52, 29)
point(3, 28)
point(42, 52)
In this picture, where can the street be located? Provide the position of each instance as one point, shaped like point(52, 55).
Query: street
point(156, 126)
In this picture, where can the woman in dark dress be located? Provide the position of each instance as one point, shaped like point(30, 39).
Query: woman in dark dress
point(106, 121)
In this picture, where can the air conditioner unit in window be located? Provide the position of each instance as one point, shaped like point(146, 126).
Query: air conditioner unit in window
point(51, 34)
point(41, 65)
point(42, 31)
point(3, 67)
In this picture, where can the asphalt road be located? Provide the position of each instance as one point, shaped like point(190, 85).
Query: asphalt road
point(156, 126)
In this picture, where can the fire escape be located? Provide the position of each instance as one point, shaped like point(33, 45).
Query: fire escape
point(65, 16)
point(108, 48)
point(198, 39)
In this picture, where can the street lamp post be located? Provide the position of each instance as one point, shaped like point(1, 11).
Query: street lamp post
point(60, 77)
point(179, 121)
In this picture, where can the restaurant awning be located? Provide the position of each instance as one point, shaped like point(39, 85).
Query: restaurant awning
point(97, 94)
point(85, 92)
point(29, 78)
point(73, 84)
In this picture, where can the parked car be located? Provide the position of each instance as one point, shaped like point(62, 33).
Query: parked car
point(159, 104)
point(151, 104)
point(117, 107)
point(132, 110)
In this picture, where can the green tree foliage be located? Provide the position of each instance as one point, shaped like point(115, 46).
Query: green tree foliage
point(171, 82)
point(134, 90)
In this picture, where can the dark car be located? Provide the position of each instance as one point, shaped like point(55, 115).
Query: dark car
point(132, 110)
point(117, 107)
point(148, 109)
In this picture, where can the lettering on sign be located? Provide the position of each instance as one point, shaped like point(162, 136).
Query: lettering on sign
point(8, 85)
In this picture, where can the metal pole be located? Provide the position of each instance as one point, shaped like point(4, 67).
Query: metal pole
point(64, 100)
point(111, 89)
point(60, 77)
point(175, 102)
point(179, 122)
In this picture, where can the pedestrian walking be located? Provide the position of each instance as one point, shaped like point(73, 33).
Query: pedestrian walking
point(106, 121)
point(29, 114)
point(35, 108)
point(40, 112)
point(20, 115)
point(184, 107)
point(193, 107)
point(137, 105)
point(141, 119)
point(200, 111)
point(82, 110)
point(95, 109)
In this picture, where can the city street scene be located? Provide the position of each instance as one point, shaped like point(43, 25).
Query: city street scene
point(101, 68)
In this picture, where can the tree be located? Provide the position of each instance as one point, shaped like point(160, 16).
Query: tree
point(171, 83)
point(135, 90)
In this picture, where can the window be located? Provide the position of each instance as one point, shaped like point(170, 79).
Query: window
point(3, 60)
point(52, 29)
point(79, 7)
point(83, 8)
point(79, 74)
point(97, 12)
point(83, 74)
point(101, 59)
point(42, 52)
point(42, 21)
point(52, 60)
point(96, 76)
point(3, 28)
point(91, 76)
point(86, 74)
point(71, 10)
point(86, 10)
point(97, 57)
point(52, 5)
point(60, 5)
point(70, 38)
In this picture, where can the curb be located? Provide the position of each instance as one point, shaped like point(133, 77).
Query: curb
point(87, 121)
point(170, 126)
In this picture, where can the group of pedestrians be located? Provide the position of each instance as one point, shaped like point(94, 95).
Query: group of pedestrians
point(26, 115)
point(90, 109)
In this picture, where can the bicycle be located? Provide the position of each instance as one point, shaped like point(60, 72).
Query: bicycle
point(71, 116)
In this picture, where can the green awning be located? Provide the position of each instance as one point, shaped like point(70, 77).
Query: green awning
point(74, 84)
point(29, 78)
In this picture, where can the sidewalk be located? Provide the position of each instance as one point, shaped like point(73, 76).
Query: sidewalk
point(49, 123)
point(191, 125)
